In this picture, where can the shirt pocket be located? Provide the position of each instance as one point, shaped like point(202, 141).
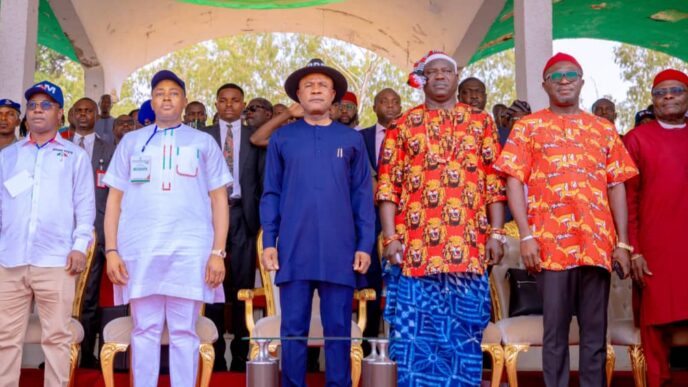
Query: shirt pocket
point(187, 161)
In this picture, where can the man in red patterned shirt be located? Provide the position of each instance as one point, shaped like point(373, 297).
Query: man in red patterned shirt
point(574, 223)
point(440, 198)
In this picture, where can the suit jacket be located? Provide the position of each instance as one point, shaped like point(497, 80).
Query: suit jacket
point(251, 172)
point(369, 138)
point(102, 150)
point(374, 274)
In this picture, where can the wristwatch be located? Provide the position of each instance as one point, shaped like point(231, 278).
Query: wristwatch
point(220, 253)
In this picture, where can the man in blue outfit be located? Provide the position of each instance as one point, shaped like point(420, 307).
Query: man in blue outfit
point(318, 199)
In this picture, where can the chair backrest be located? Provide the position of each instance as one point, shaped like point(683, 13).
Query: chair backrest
point(500, 288)
point(78, 303)
point(620, 299)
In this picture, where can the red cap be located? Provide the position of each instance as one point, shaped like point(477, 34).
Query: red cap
point(670, 75)
point(351, 97)
point(560, 57)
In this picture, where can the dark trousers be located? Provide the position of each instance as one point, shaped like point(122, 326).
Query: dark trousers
point(296, 299)
point(90, 312)
point(584, 292)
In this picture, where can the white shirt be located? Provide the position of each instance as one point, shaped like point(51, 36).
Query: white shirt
point(236, 144)
point(379, 138)
point(89, 140)
point(165, 232)
point(51, 211)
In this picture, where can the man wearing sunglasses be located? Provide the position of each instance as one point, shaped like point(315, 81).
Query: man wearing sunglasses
point(348, 110)
point(48, 208)
point(657, 214)
point(258, 112)
point(573, 227)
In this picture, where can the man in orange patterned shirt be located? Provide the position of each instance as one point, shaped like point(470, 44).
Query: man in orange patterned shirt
point(575, 224)
point(436, 192)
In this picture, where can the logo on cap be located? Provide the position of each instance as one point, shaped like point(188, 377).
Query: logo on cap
point(49, 88)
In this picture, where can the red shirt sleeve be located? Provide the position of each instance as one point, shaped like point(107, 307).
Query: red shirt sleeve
point(633, 192)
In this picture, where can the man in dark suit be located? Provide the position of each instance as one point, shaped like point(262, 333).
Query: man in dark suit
point(387, 107)
point(100, 152)
point(246, 163)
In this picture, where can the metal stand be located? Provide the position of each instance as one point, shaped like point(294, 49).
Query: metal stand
point(263, 371)
point(378, 370)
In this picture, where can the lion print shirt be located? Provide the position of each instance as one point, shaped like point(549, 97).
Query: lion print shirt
point(436, 165)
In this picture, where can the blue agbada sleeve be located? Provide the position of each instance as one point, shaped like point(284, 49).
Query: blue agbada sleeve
point(272, 192)
point(362, 199)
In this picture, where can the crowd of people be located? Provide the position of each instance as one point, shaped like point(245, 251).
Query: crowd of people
point(177, 207)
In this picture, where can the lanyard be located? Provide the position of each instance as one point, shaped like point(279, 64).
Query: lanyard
point(155, 131)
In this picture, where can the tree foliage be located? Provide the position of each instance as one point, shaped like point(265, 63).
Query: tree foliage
point(498, 72)
point(260, 63)
point(639, 67)
point(62, 71)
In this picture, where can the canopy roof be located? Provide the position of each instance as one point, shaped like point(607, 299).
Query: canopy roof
point(657, 25)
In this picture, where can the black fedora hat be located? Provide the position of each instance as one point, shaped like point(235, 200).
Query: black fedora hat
point(316, 66)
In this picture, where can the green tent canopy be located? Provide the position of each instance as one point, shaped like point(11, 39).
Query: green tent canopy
point(657, 25)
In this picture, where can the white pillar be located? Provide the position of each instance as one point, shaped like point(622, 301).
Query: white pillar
point(94, 82)
point(18, 32)
point(533, 35)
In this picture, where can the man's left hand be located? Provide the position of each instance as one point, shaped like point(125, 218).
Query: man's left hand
point(76, 262)
point(361, 262)
point(215, 271)
point(494, 251)
point(624, 258)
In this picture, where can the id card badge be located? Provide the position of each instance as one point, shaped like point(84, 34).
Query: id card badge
point(100, 174)
point(140, 169)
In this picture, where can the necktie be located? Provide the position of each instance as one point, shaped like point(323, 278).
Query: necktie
point(81, 142)
point(228, 149)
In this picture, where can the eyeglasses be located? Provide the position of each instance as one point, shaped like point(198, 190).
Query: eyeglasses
point(45, 105)
point(676, 90)
point(347, 106)
point(253, 108)
point(558, 77)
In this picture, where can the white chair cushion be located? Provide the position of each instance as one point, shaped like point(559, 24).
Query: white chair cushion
point(270, 327)
point(623, 332)
point(119, 331)
point(529, 330)
point(33, 330)
point(492, 335)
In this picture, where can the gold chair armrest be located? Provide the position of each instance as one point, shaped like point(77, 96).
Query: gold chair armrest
point(247, 296)
point(363, 296)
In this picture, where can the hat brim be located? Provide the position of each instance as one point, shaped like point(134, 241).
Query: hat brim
point(37, 90)
point(291, 85)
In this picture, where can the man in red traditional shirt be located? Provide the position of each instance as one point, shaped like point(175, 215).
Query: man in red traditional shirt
point(573, 225)
point(658, 217)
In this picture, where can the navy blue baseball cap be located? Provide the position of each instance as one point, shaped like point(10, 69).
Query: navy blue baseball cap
point(48, 88)
point(10, 104)
point(163, 75)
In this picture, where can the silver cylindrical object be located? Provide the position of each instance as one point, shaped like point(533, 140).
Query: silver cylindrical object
point(263, 371)
point(366, 364)
point(383, 369)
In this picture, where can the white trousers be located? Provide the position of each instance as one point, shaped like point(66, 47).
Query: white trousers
point(150, 314)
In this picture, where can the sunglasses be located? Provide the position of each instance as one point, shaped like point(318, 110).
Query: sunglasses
point(676, 90)
point(253, 108)
point(558, 77)
point(45, 105)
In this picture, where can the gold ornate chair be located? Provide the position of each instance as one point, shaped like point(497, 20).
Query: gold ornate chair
point(521, 332)
point(33, 330)
point(117, 337)
point(269, 326)
point(492, 344)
